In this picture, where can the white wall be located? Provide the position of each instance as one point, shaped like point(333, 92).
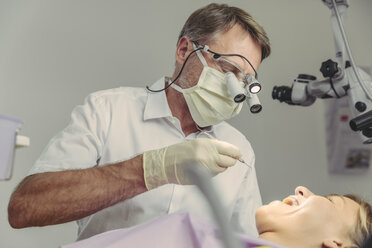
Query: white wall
point(54, 53)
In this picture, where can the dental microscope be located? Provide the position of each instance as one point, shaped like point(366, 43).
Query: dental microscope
point(341, 78)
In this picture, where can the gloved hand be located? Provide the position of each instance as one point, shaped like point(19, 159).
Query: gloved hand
point(167, 165)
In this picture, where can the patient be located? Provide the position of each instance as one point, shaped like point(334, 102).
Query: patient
point(302, 220)
point(308, 220)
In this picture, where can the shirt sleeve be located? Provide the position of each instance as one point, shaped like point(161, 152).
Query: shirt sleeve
point(249, 197)
point(80, 144)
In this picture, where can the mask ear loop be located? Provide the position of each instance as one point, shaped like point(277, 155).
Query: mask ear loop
point(200, 55)
point(179, 74)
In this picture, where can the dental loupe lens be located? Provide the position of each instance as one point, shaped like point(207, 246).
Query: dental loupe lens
point(239, 98)
point(256, 108)
point(255, 88)
point(235, 87)
point(254, 103)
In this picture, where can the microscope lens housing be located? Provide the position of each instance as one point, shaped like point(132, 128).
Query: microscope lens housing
point(361, 122)
point(282, 93)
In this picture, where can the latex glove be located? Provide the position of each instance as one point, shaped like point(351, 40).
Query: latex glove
point(167, 165)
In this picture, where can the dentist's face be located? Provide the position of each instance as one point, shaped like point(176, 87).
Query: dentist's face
point(306, 215)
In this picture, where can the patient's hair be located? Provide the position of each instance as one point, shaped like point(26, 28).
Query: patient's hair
point(206, 23)
point(363, 227)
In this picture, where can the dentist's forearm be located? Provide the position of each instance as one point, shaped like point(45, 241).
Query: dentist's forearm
point(58, 197)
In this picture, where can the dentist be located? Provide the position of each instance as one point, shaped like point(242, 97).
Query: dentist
point(120, 160)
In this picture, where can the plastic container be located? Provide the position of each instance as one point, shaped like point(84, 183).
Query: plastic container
point(9, 127)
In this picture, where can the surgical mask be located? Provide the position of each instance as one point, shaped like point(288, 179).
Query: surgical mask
point(209, 101)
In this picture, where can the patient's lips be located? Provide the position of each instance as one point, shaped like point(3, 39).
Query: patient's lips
point(291, 201)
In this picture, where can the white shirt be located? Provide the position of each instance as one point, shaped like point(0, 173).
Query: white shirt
point(117, 125)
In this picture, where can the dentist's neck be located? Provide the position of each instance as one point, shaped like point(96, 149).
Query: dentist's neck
point(180, 110)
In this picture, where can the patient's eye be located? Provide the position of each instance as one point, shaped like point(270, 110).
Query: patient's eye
point(329, 198)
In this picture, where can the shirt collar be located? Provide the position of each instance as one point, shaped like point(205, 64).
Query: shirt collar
point(157, 103)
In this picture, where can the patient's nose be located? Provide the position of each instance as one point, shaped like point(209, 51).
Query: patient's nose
point(303, 191)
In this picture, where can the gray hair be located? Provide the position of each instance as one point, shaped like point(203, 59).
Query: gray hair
point(206, 23)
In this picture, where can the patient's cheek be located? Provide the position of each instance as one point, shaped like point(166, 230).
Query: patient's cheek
point(275, 203)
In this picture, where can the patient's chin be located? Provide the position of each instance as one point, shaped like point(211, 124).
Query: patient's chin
point(263, 219)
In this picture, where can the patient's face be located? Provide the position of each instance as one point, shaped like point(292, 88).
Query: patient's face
point(306, 214)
